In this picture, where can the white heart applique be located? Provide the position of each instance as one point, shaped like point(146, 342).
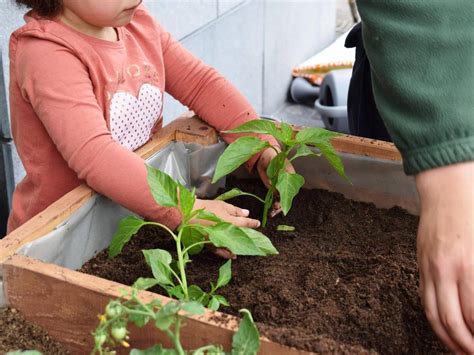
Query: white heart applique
point(132, 119)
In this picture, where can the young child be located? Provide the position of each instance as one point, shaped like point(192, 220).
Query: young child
point(86, 89)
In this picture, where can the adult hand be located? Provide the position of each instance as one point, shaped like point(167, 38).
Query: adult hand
point(445, 248)
point(262, 165)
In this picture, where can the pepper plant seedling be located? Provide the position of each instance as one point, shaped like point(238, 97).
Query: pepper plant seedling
point(171, 274)
point(189, 240)
point(293, 145)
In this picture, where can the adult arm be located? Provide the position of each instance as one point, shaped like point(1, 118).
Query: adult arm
point(421, 56)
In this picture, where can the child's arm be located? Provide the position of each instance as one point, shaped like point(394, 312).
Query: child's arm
point(58, 87)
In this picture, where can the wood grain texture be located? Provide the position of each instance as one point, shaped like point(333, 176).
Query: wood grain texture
point(366, 147)
point(345, 143)
point(187, 128)
point(66, 303)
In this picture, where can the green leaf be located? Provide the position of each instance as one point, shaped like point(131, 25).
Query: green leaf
point(256, 126)
point(228, 236)
point(139, 320)
point(302, 151)
point(123, 292)
point(162, 187)
point(143, 283)
point(127, 228)
point(24, 352)
point(276, 165)
point(246, 341)
point(154, 350)
point(191, 235)
point(261, 241)
point(332, 157)
point(235, 192)
point(186, 201)
point(209, 350)
point(225, 274)
point(159, 260)
point(222, 300)
point(238, 153)
point(288, 186)
point(230, 194)
point(208, 216)
point(193, 307)
point(310, 135)
point(155, 303)
point(285, 228)
point(176, 292)
point(166, 316)
point(286, 132)
point(321, 139)
point(195, 293)
point(213, 304)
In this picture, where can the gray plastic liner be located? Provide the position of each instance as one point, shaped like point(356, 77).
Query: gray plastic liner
point(382, 182)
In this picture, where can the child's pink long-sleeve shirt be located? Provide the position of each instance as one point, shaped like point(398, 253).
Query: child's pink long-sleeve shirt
point(81, 105)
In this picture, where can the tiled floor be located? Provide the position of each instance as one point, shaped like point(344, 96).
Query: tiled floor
point(299, 115)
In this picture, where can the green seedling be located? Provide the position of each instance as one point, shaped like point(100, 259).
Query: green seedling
point(170, 274)
point(292, 145)
point(189, 240)
point(285, 228)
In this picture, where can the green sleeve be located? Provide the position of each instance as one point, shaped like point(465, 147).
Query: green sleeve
point(422, 58)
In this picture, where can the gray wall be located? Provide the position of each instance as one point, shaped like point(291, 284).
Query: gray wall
point(254, 43)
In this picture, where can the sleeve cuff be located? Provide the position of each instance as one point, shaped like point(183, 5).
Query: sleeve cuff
point(435, 156)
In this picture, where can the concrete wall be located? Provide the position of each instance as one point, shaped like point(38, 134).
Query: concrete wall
point(254, 43)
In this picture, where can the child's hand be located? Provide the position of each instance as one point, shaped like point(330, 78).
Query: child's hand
point(262, 165)
point(265, 159)
point(227, 212)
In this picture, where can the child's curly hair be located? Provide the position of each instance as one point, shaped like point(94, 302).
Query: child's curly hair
point(45, 8)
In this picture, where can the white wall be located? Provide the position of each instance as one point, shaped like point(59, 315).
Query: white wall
point(254, 43)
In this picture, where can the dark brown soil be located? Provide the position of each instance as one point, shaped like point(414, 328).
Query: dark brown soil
point(17, 334)
point(344, 282)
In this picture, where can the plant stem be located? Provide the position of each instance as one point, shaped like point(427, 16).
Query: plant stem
point(181, 266)
point(175, 275)
point(176, 338)
point(267, 205)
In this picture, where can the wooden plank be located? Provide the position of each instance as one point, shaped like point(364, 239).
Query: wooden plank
point(66, 303)
point(367, 147)
point(374, 148)
point(186, 128)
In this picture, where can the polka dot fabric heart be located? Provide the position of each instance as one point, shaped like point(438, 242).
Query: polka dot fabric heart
point(132, 119)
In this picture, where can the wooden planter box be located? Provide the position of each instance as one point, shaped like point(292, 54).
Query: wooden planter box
point(66, 302)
